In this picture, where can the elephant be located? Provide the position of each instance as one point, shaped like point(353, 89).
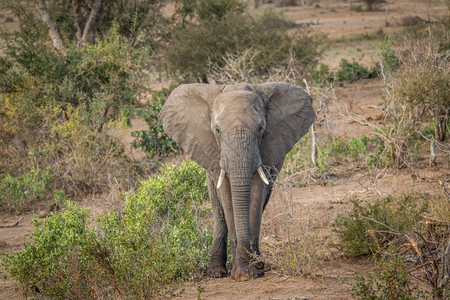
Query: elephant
point(240, 134)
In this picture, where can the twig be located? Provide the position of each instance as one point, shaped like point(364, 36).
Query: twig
point(382, 224)
point(11, 224)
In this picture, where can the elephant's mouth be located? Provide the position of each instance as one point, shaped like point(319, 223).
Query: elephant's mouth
point(259, 170)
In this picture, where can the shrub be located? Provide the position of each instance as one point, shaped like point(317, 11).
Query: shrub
point(95, 79)
point(390, 281)
point(234, 34)
point(141, 252)
point(15, 192)
point(332, 152)
point(416, 81)
point(356, 7)
point(154, 141)
point(389, 60)
point(356, 146)
point(351, 71)
point(299, 158)
point(82, 160)
point(330, 155)
point(373, 4)
point(45, 267)
point(55, 107)
point(378, 156)
point(210, 9)
point(368, 228)
point(322, 75)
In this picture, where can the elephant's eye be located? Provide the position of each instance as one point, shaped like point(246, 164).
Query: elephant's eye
point(217, 130)
point(260, 129)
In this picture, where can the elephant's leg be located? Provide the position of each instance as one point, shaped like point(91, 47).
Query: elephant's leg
point(224, 195)
point(217, 267)
point(260, 197)
point(259, 194)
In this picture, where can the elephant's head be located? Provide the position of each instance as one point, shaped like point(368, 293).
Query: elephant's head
point(235, 129)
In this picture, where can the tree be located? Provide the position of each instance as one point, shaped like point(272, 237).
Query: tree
point(85, 34)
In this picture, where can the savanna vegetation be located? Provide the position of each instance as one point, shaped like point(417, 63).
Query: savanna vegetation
point(75, 72)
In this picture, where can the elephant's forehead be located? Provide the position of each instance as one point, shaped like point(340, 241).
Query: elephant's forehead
point(237, 102)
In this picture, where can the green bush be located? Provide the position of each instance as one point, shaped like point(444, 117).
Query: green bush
point(15, 192)
point(352, 71)
point(45, 266)
point(377, 157)
point(139, 253)
point(368, 228)
point(356, 7)
point(154, 141)
point(55, 107)
point(390, 281)
point(330, 155)
point(218, 9)
point(389, 60)
point(299, 158)
point(96, 79)
point(356, 146)
point(373, 4)
point(322, 75)
point(334, 151)
point(233, 34)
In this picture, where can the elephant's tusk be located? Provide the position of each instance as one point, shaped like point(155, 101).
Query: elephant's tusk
point(221, 176)
point(262, 175)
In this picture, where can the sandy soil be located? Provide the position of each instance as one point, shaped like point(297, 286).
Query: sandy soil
point(331, 279)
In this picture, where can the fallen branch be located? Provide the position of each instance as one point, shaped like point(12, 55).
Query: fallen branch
point(11, 224)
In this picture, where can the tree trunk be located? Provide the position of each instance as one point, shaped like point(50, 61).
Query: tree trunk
point(433, 155)
point(90, 29)
point(54, 33)
point(78, 21)
point(440, 127)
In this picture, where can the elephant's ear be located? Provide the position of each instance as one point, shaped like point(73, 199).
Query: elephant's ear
point(186, 119)
point(289, 114)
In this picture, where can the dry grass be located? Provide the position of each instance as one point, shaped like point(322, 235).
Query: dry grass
point(293, 245)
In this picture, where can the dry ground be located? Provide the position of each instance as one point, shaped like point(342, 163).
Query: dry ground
point(330, 279)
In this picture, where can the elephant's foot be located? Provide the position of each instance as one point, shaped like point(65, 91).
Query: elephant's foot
point(216, 271)
point(258, 264)
point(244, 274)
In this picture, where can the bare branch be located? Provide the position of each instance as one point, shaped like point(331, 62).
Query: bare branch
point(55, 35)
point(11, 224)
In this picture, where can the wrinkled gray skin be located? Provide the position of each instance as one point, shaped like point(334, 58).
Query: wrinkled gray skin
point(237, 129)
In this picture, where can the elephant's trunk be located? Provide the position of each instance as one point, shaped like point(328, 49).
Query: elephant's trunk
point(240, 161)
point(241, 189)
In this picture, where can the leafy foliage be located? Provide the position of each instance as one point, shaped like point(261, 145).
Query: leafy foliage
point(233, 34)
point(351, 71)
point(391, 281)
point(45, 266)
point(154, 141)
point(365, 229)
point(31, 186)
point(55, 107)
point(389, 60)
point(140, 252)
